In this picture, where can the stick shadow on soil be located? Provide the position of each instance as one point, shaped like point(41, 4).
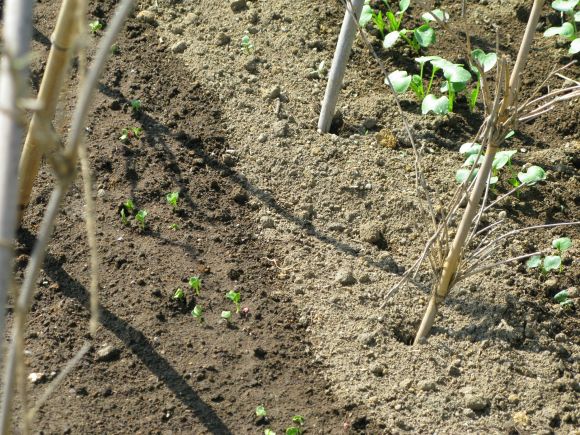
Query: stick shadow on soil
point(134, 340)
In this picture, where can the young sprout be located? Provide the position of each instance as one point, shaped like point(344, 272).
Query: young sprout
point(95, 26)
point(115, 49)
point(235, 297)
point(227, 316)
point(298, 419)
point(195, 284)
point(551, 262)
point(127, 208)
point(247, 47)
point(260, 411)
point(563, 298)
point(124, 219)
point(179, 294)
point(136, 105)
point(174, 227)
point(269, 432)
point(172, 199)
point(129, 205)
point(568, 30)
point(198, 313)
point(485, 62)
point(128, 133)
point(140, 218)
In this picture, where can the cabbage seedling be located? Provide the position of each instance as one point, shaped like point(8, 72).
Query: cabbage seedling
point(568, 29)
point(247, 47)
point(179, 294)
point(563, 298)
point(140, 218)
point(129, 133)
point(95, 26)
point(269, 432)
point(235, 297)
point(136, 105)
point(128, 207)
point(227, 316)
point(486, 62)
point(195, 284)
point(261, 411)
point(551, 262)
point(172, 199)
point(198, 313)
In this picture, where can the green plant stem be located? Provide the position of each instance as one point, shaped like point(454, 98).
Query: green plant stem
point(435, 69)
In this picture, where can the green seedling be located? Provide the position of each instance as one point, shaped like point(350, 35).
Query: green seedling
point(128, 207)
point(179, 295)
point(115, 49)
point(293, 430)
point(564, 299)
point(481, 62)
point(260, 410)
point(568, 30)
point(455, 77)
point(269, 432)
point(174, 227)
point(198, 313)
point(136, 105)
point(247, 47)
point(474, 157)
point(140, 218)
point(227, 316)
point(128, 133)
point(172, 199)
point(195, 284)
point(95, 26)
point(124, 219)
point(235, 297)
point(551, 262)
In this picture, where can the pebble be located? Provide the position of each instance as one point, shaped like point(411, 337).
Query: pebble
point(36, 378)
point(101, 193)
point(263, 137)
point(378, 370)
point(551, 283)
point(370, 123)
point(267, 222)
point(147, 17)
point(108, 353)
point(427, 386)
point(222, 39)
point(281, 129)
point(345, 277)
point(367, 338)
point(453, 371)
point(238, 5)
point(475, 402)
point(179, 47)
point(371, 233)
point(272, 93)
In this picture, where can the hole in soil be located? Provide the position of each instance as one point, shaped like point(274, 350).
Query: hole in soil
point(360, 423)
point(405, 335)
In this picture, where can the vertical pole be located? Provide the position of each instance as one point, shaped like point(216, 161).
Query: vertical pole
point(13, 82)
point(343, 47)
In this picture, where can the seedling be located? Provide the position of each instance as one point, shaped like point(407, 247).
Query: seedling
point(140, 218)
point(269, 432)
point(124, 219)
point(198, 313)
point(563, 298)
point(136, 105)
point(568, 29)
point(227, 316)
point(261, 411)
point(172, 199)
point(247, 47)
point(195, 284)
point(129, 133)
point(179, 295)
point(473, 152)
point(127, 208)
point(485, 62)
point(551, 262)
point(235, 297)
point(115, 49)
point(95, 26)
point(129, 205)
point(174, 227)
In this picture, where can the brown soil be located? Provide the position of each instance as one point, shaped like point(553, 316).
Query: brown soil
point(272, 209)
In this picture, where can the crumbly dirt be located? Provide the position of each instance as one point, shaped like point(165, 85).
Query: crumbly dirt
point(311, 229)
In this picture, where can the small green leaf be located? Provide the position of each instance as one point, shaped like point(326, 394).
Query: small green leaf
point(227, 315)
point(293, 431)
point(298, 419)
point(577, 16)
point(510, 134)
point(400, 81)
point(269, 432)
point(443, 16)
point(566, 30)
point(562, 244)
point(502, 158)
point(487, 61)
point(470, 148)
point(472, 159)
point(424, 35)
point(421, 60)
point(534, 261)
point(404, 5)
point(575, 46)
point(456, 74)
point(552, 262)
point(462, 174)
point(260, 411)
point(569, 303)
point(561, 296)
point(366, 15)
point(431, 103)
point(390, 39)
point(195, 284)
point(198, 312)
point(179, 294)
point(564, 5)
point(532, 175)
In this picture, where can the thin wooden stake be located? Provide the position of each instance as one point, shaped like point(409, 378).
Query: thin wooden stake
point(336, 75)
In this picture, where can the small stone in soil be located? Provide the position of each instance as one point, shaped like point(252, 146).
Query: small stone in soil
point(108, 353)
point(267, 222)
point(36, 378)
point(378, 370)
point(147, 17)
point(179, 47)
point(476, 402)
point(371, 233)
point(238, 5)
point(345, 277)
point(280, 129)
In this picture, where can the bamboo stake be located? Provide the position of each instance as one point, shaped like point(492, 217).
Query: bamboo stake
point(57, 65)
point(336, 75)
point(17, 35)
point(454, 256)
